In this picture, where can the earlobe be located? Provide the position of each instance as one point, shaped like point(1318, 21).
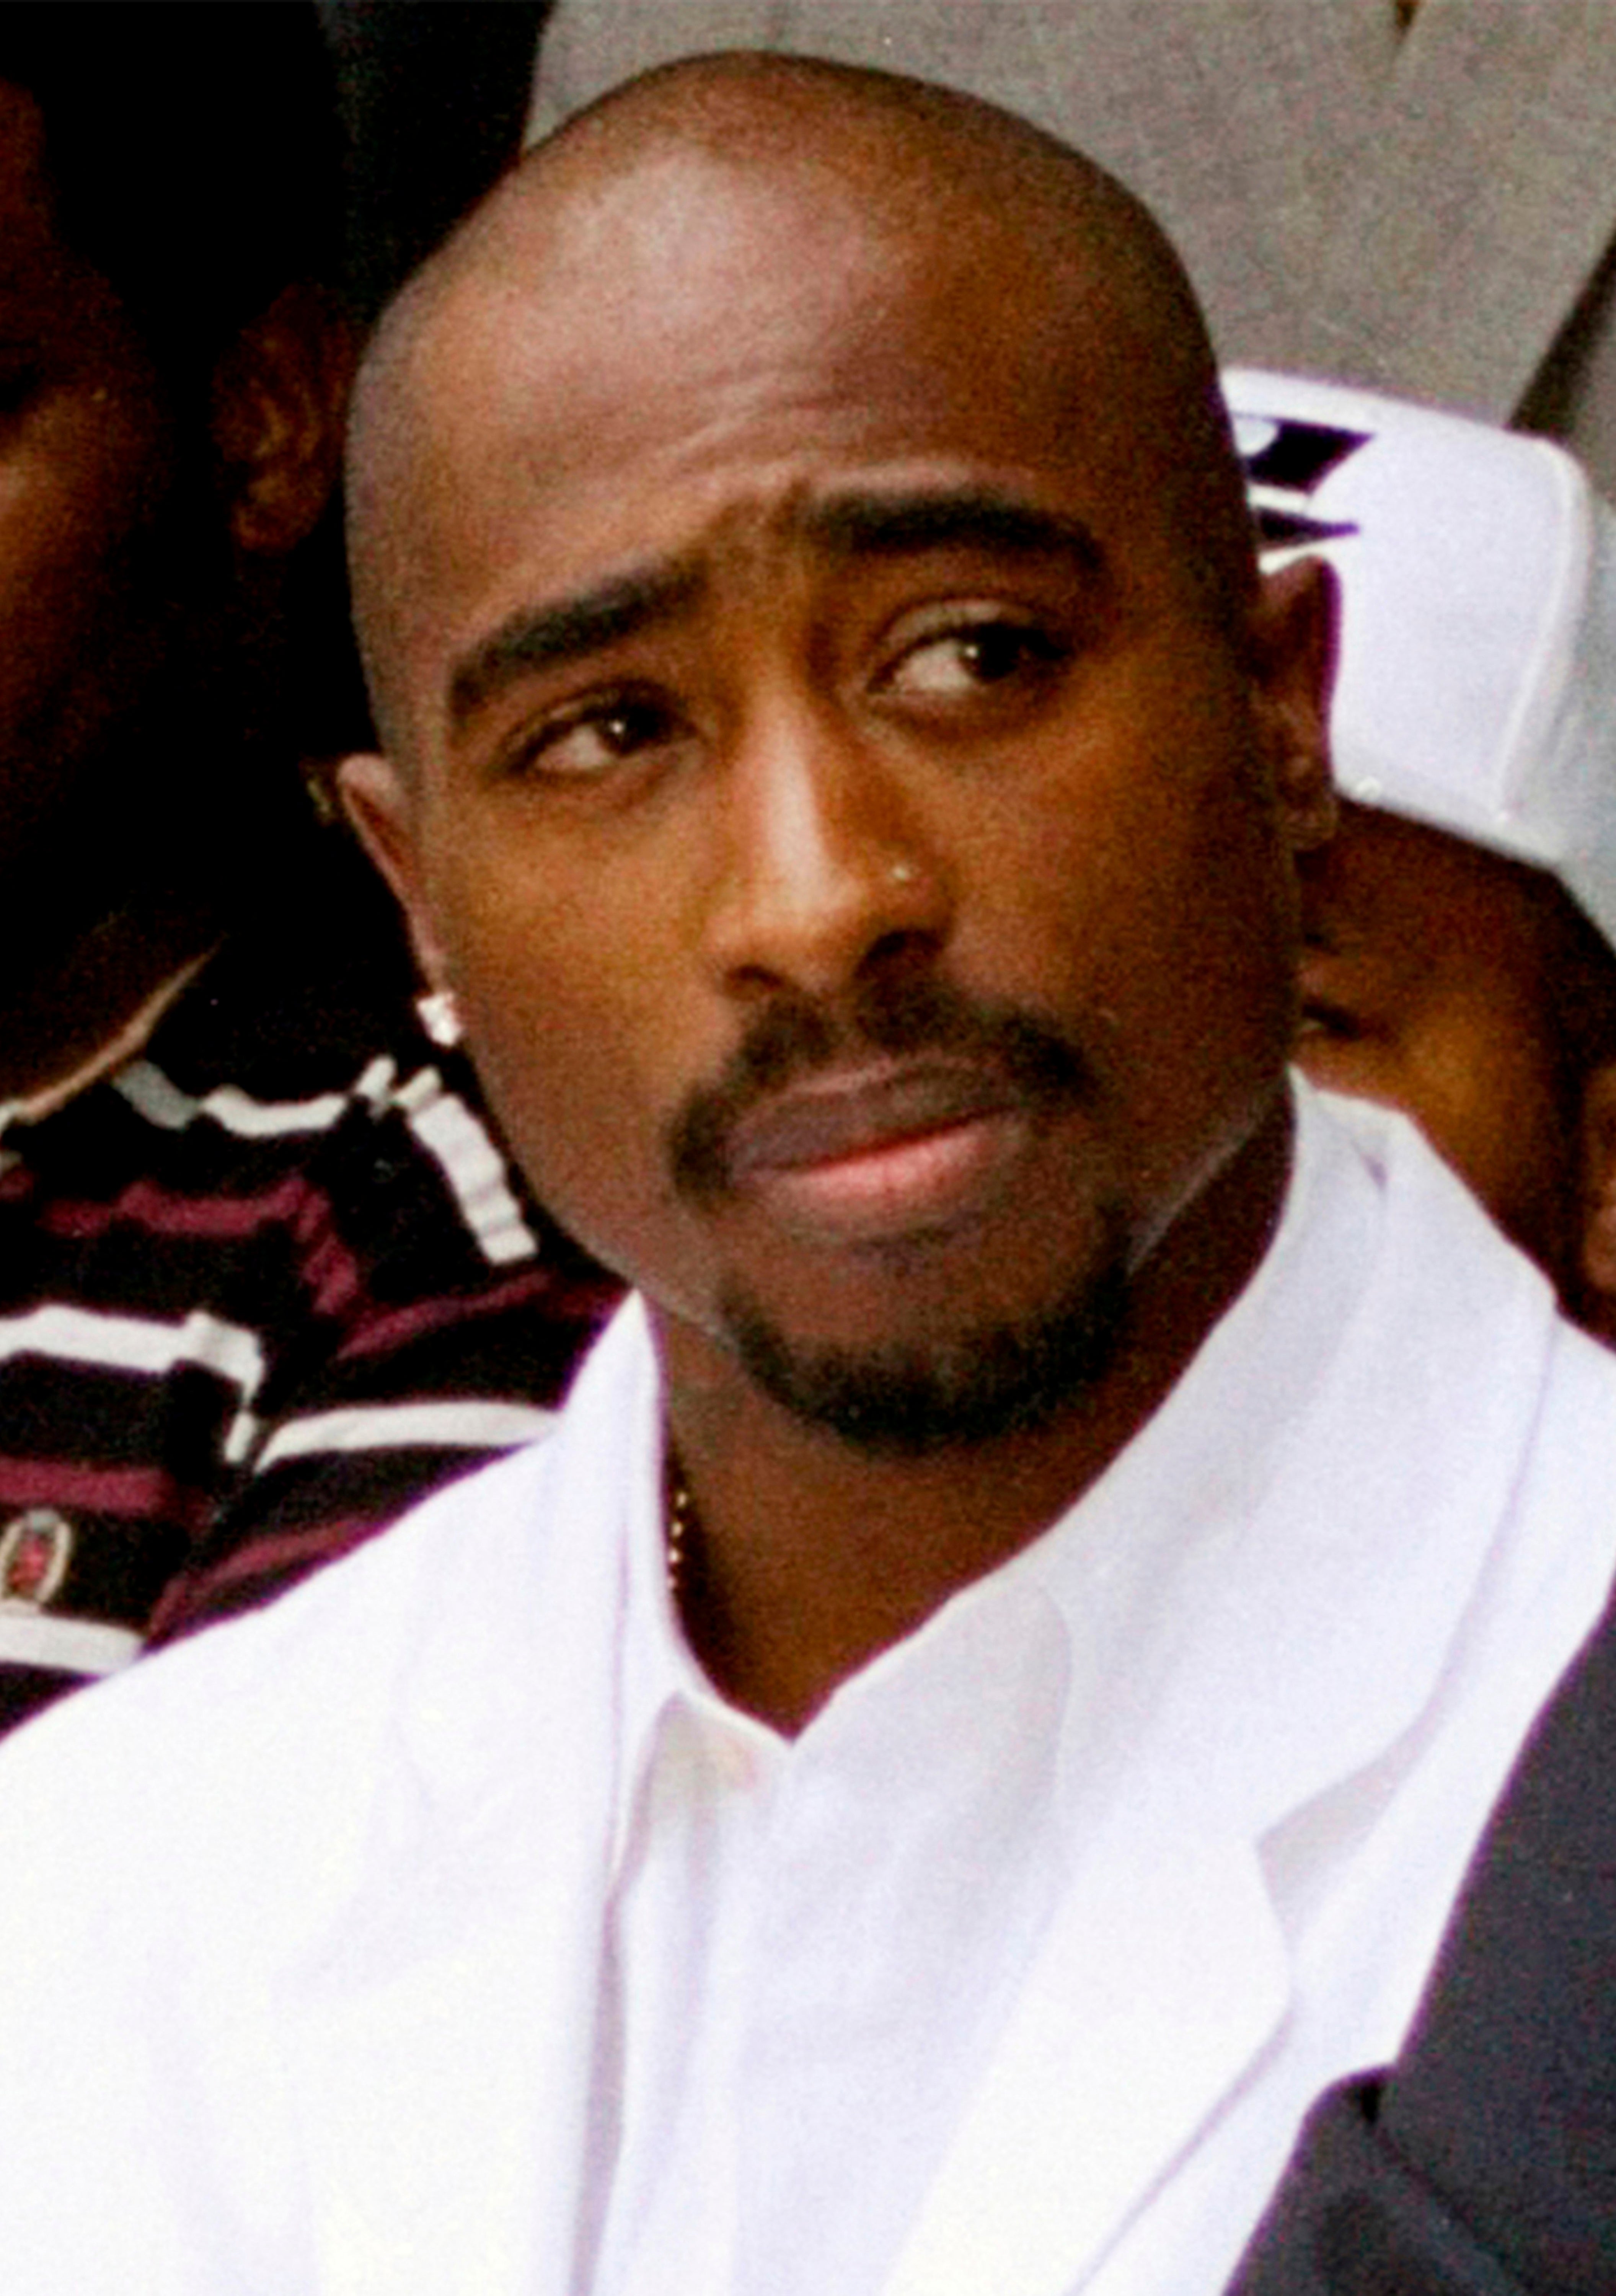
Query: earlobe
point(1294, 628)
point(380, 807)
point(279, 392)
point(1596, 1265)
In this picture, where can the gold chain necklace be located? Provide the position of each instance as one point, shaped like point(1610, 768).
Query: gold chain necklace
point(678, 1527)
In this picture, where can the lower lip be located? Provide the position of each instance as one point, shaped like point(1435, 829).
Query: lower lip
point(902, 1187)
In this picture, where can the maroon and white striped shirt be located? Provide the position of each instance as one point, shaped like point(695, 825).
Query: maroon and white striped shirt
point(262, 1284)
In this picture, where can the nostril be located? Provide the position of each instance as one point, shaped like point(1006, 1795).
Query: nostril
point(905, 949)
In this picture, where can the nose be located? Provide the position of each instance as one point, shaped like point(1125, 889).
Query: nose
point(828, 875)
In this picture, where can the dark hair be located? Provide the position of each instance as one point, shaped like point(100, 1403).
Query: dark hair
point(194, 153)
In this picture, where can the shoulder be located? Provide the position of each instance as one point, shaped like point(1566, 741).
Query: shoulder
point(263, 1737)
point(1576, 1446)
point(464, 1625)
point(1478, 1323)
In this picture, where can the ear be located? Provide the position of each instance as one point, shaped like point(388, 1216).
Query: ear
point(1292, 628)
point(279, 392)
point(1596, 1261)
point(380, 804)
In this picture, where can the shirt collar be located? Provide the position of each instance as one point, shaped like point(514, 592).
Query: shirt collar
point(658, 1673)
point(1167, 1577)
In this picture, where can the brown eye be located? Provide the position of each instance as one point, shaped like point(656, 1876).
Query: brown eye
point(954, 664)
point(592, 740)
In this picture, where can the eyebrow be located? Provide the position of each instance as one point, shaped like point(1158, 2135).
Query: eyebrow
point(872, 525)
point(929, 518)
point(568, 630)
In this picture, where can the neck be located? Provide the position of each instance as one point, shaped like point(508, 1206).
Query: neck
point(62, 1015)
point(810, 1557)
point(98, 911)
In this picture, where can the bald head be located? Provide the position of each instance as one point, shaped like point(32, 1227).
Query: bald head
point(808, 589)
point(700, 208)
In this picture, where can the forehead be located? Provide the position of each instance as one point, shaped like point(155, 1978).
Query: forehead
point(691, 350)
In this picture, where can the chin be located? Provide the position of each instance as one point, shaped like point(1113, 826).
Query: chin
point(914, 1397)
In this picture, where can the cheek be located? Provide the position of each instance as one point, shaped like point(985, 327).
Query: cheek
point(82, 477)
point(85, 470)
point(570, 1020)
point(1493, 1112)
point(1364, 1068)
point(1476, 1076)
point(1165, 911)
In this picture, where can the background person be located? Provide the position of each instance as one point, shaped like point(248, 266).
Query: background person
point(255, 1242)
point(983, 1707)
point(1459, 958)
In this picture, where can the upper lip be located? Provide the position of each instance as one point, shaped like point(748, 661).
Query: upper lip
point(854, 1114)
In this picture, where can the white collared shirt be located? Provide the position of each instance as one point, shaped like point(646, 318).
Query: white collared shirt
point(438, 1932)
point(814, 1945)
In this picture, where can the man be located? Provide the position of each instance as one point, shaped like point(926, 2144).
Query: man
point(255, 1244)
point(1459, 924)
point(962, 1733)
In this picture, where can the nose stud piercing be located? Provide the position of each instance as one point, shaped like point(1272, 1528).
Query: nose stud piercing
point(902, 873)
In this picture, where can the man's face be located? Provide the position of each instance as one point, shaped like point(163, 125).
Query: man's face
point(846, 829)
point(86, 466)
point(1425, 986)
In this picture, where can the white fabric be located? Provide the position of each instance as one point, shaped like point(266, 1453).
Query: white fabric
point(334, 1940)
point(1476, 685)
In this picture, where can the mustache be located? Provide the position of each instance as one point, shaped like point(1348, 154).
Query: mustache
point(795, 1039)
